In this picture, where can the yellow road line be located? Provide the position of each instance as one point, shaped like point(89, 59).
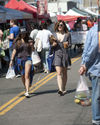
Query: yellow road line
point(21, 98)
point(41, 80)
point(43, 83)
point(76, 59)
point(11, 106)
point(20, 94)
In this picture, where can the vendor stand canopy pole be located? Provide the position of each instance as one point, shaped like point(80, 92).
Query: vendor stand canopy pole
point(98, 6)
point(38, 10)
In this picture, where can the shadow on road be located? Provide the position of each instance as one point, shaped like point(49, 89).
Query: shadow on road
point(50, 92)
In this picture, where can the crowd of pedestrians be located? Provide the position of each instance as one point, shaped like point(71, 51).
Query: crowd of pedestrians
point(22, 44)
point(20, 51)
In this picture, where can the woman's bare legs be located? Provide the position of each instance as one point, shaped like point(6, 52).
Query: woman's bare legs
point(23, 79)
point(64, 78)
point(59, 78)
point(27, 76)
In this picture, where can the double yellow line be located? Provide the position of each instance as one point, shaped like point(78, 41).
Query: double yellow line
point(10, 104)
point(17, 99)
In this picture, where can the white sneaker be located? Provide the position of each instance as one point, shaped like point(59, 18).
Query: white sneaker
point(18, 75)
point(65, 92)
point(46, 71)
point(27, 94)
point(69, 67)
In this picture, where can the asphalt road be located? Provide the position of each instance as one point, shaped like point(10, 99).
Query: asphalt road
point(45, 107)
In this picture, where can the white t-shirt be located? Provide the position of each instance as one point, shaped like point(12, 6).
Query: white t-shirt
point(44, 35)
point(84, 26)
point(33, 33)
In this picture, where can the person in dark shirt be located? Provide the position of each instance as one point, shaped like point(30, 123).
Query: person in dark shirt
point(23, 49)
point(78, 25)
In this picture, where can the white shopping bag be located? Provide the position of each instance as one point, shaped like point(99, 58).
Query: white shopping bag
point(38, 45)
point(10, 73)
point(82, 85)
point(35, 58)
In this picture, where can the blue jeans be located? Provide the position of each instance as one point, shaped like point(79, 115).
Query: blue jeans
point(44, 55)
point(95, 98)
point(10, 51)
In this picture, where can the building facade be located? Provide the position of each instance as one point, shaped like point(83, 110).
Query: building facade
point(63, 5)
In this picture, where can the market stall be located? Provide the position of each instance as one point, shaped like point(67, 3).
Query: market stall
point(22, 6)
point(91, 12)
point(15, 14)
point(73, 13)
point(2, 15)
point(53, 17)
point(67, 17)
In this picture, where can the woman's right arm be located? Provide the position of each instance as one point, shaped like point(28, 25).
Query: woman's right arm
point(12, 57)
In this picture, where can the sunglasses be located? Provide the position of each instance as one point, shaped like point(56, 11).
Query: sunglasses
point(60, 25)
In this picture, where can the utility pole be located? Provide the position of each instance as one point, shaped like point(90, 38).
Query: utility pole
point(57, 6)
point(90, 4)
point(98, 7)
point(82, 3)
point(77, 4)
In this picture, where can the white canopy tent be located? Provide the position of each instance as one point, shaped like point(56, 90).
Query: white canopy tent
point(60, 13)
point(91, 12)
point(73, 13)
point(53, 17)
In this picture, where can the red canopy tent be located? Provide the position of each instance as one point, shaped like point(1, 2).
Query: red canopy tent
point(22, 6)
point(12, 4)
point(67, 18)
point(26, 7)
point(45, 16)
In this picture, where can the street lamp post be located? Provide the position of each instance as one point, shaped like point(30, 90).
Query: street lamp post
point(98, 6)
point(90, 4)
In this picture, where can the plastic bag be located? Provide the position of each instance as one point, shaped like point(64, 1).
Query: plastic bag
point(35, 58)
point(10, 73)
point(38, 45)
point(2, 52)
point(82, 95)
point(5, 44)
point(82, 91)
